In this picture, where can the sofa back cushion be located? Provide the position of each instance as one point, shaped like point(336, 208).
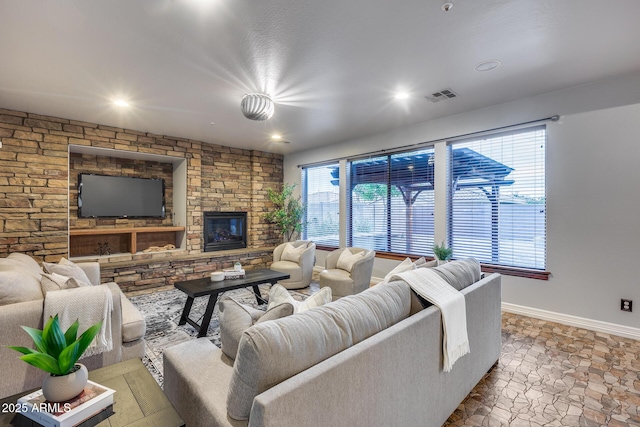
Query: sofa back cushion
point(272, 352)
point(19, 279)
point(460, 273)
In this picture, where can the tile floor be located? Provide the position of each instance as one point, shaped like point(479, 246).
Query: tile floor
point(556, 375)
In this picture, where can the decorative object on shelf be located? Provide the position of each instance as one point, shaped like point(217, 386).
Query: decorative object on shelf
point(168, 247)
point(257, 106)
point(104, 249)
point(287, 213)
point(57, 353)
point(442, 252)
point(237, 266)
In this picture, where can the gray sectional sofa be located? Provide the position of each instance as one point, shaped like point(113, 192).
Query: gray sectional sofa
point(22, 303)
point(371, 359)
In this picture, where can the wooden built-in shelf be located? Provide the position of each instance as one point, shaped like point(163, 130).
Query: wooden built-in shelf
point(122, 240)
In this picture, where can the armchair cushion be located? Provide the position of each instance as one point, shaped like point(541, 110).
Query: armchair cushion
point(292, 253)
point(348, 259)
point(235, 318)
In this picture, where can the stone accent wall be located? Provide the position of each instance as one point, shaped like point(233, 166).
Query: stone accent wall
point(35, 180)
point(142, 275)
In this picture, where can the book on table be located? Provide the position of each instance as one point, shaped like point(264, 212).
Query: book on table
point(230, 274)
point(94, 399)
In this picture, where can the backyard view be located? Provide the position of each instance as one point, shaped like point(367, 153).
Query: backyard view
point(497, 208)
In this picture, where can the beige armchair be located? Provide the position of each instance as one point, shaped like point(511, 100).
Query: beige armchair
point(295, 259)
point(348, 274)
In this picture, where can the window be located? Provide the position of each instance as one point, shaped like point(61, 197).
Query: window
point(392, 204)
point(320, 195)
point(497, 211)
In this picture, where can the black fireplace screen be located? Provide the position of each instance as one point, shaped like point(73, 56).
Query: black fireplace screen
point(225, 230)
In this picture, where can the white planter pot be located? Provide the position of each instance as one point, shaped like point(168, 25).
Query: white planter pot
point(65, 387)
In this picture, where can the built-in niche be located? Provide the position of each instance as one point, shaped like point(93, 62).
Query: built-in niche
point(111, 236)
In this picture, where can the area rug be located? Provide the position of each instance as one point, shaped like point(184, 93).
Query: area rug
point(162, 311)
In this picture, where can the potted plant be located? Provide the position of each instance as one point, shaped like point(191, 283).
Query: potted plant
point(57, 353)
point(442, 252)
point(287, 213)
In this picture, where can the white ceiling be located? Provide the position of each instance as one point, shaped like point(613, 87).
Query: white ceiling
point(332, 66)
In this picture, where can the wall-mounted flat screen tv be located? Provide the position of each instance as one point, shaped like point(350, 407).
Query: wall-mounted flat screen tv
point(102, 196)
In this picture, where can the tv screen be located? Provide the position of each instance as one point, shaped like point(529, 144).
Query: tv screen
point(102, 196)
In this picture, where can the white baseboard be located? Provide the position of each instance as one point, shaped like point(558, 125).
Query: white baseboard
point(580, 322)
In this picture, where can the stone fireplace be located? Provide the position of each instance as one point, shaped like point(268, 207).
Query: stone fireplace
point(225, 230)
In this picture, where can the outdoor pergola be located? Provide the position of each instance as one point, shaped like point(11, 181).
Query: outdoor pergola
point(414, 173)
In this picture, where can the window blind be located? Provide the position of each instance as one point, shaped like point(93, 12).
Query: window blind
point(497, 198)
point(320, 195)
point(392, 203)
point(368, 219)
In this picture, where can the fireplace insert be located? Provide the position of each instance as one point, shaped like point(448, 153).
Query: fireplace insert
point(225, 230)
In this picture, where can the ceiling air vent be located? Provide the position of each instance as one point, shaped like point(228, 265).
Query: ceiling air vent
point(442, 95)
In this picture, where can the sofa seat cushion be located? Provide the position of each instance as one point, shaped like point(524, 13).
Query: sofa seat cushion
point(288, 267)
point(460, 273)
point(133, 323)
point(19, 281)
point(272, 352)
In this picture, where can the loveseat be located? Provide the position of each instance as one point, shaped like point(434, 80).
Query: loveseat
point(22, 303)
point(371, 359)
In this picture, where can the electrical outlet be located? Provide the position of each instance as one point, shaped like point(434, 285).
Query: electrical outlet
point(626, 305)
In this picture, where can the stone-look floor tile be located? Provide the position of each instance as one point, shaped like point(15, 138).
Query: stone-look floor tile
point(556, 375)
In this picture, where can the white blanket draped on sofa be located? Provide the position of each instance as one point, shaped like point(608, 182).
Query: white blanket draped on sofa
point(429, 285)
point(91, 304)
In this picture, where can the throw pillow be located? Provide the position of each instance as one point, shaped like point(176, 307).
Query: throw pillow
point(460, 273)
point(291, 253)
point(280, 295)
point(68, 269)
point(235, 318)
point(55, 282)
point(423, 263)
point(347, 259)
point(405, 265)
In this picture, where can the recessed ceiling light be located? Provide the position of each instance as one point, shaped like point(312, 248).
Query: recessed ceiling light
point(276, 137)
point(402, 95)
point(121, 103)
point(487, 65)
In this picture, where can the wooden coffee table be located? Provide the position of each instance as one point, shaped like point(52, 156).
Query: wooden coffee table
point(138, 400)
point(203, 287)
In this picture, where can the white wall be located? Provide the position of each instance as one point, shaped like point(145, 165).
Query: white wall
point(593, 194)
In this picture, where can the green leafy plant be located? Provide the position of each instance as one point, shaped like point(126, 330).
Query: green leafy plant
point(57, 352)
point(442, 252)
point(287, 213)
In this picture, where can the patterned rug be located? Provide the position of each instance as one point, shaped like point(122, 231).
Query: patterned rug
point(162, 311)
